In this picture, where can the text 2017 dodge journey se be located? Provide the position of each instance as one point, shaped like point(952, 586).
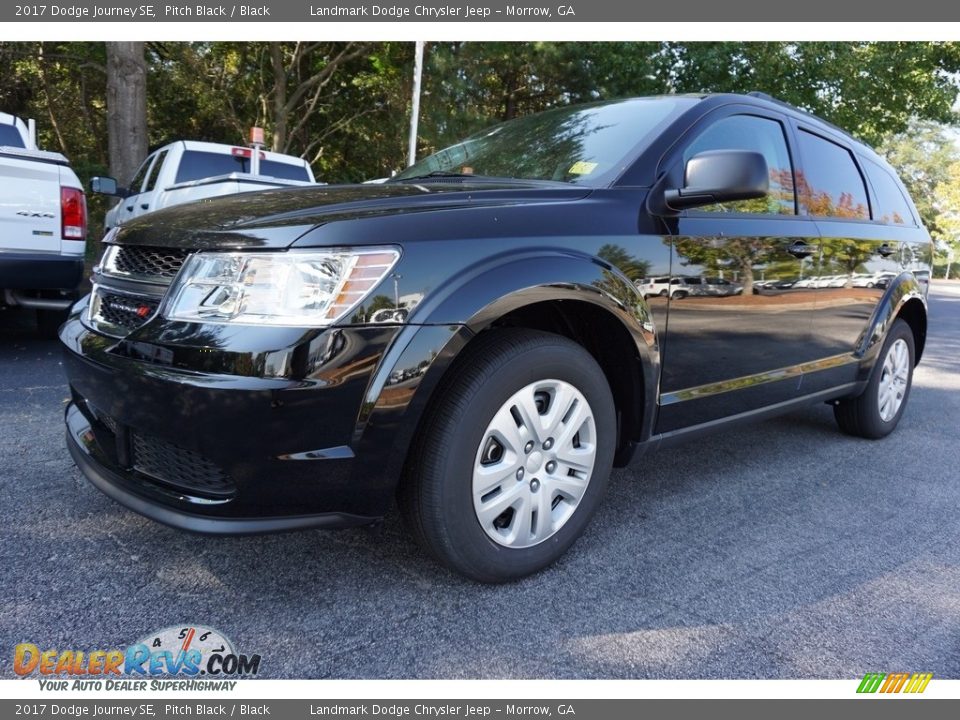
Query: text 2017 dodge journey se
point(468, 337)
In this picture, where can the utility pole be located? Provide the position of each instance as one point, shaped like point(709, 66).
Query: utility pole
point(415, 109)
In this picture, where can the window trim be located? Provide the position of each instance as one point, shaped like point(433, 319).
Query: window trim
point(148, 164)
point(150, 181)
point(800, 127)
point(897, 183)
point(696, 130)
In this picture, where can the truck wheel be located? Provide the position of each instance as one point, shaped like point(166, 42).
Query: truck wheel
point(875, 413)
point(513, 459)
point(49, 322)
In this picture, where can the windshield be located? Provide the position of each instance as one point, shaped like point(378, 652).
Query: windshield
point(578, 144)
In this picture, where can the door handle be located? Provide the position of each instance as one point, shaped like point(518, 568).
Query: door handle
point(800, 249)
point(130, 208)
point(885, 250)
point(145, 206)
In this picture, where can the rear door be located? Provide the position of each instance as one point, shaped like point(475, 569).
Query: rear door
point(732, 354)
point(861, 234)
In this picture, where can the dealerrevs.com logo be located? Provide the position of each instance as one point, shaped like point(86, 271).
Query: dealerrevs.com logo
point(187, 657)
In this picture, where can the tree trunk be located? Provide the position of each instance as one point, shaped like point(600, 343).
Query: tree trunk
point(746, 276)
point(126, 108)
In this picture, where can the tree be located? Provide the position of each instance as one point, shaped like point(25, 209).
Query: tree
point(126, 108)
point(871, 89)
point(923, 156)
point(633, 267)
point(948, 204)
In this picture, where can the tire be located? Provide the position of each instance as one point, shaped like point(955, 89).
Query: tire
point(476, 474)
point(49, 322)
point(875, 413)
point(663, 293)
point(679, 295)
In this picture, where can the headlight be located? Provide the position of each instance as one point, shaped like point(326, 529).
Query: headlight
point(299, 289)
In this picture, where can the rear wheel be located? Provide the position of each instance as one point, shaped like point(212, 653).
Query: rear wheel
point(513, 459)
point(876, 412)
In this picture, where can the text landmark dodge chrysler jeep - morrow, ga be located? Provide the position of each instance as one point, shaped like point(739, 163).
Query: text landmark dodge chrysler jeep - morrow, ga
point(468, 336)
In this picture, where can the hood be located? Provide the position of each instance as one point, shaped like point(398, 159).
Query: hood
point(276, 218)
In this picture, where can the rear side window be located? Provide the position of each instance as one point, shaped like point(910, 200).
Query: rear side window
point(892, 207)
point(154, 171)
point(762, 135)
point(10, 137)
point(196, 165)
point(285, 171)
point(830, 184)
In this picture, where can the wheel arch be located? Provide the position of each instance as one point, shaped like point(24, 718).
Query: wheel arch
point(914, 312)
point(904, 298)
point(578, 297)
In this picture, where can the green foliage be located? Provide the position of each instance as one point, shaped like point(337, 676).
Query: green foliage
point(923, 156)
point(345, 106)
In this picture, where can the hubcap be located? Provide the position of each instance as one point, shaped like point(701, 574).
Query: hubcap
point(545, 432)
point(893, 380)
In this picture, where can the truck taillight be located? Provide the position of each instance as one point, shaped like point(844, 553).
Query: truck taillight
point(73, 214)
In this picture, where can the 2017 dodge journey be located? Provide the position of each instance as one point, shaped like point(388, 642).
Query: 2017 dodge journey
point(468, 337)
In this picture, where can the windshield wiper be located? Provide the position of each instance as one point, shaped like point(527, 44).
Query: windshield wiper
point(435, 174)
point(467, 177)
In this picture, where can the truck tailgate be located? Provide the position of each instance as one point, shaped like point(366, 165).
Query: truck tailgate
point(29, 205)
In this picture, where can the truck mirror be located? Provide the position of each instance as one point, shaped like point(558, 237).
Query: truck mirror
point(105, 186)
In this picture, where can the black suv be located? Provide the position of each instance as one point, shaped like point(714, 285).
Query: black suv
point(467, 337)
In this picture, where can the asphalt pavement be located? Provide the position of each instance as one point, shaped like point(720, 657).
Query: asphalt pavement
point(780, 550)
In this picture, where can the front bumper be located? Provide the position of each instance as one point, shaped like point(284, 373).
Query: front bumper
point(268, 453)
point(135, 494)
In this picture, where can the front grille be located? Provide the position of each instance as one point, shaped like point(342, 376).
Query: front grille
point(125, 312)
point(148, 263)
point(181, 468)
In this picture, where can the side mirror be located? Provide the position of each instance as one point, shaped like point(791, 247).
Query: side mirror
point(107, 186)
point(720, 176)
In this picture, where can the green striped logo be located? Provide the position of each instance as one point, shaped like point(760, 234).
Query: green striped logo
point(894, 682)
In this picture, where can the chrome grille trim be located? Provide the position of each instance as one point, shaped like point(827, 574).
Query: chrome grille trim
point(114, 312)
point(142, 263)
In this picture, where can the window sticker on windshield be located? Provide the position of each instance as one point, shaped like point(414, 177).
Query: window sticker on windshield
point(582, 167)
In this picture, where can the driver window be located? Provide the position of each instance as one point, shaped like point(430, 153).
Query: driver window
point(757, 134)
point(137, 182)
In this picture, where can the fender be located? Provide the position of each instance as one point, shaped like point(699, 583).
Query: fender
point(903, 289)
point(443, 324)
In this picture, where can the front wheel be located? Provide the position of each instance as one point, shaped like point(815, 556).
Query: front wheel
point(876, 412)
point(513, 459)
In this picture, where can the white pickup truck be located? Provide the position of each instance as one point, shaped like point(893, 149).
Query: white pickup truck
point(43, 226)
point(186, 171)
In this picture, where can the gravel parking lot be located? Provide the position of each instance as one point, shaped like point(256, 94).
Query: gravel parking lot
point(783, 550)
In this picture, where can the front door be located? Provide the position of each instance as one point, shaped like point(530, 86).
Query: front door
point(744, 349)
